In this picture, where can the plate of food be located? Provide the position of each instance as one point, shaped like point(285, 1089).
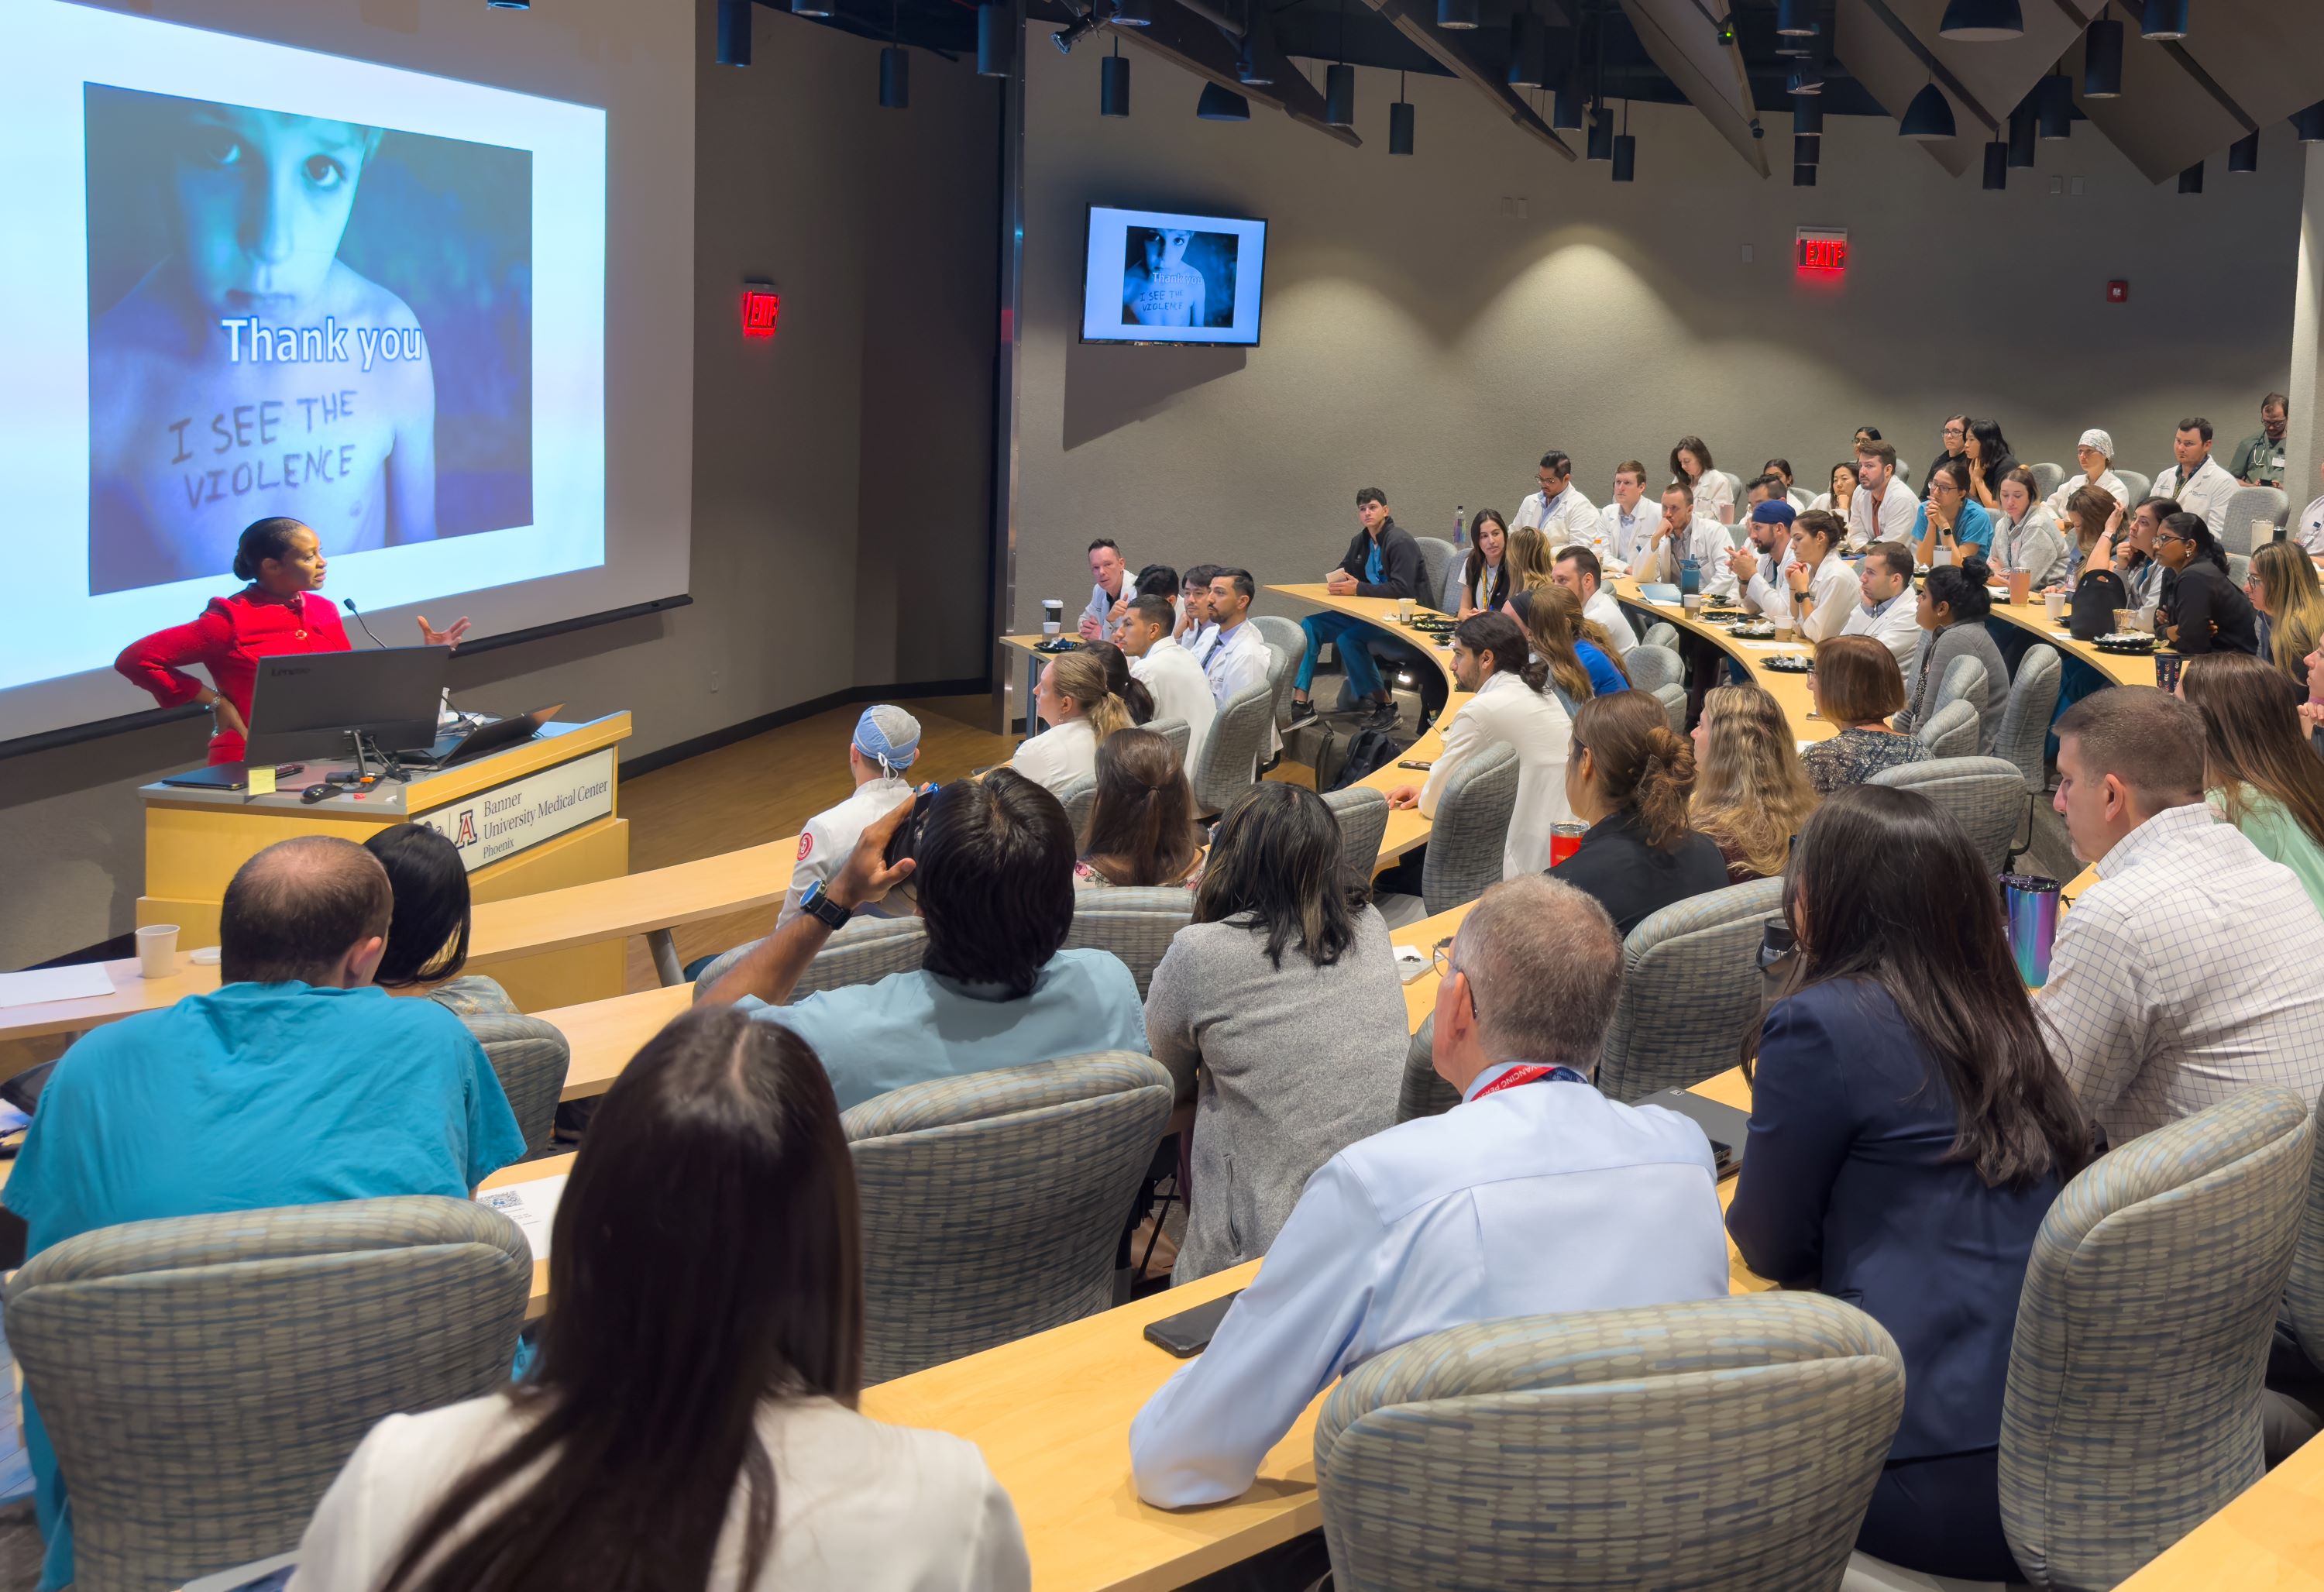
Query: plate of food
point(1789, 663)
point(2134, 642)
point(1753, 629)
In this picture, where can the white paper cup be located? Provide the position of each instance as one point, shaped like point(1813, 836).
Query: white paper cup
point(2055, 604)
point(157, 950)
point(1405, 608)
point(1053, 615)
point(1691, 602)
point(1782, 630)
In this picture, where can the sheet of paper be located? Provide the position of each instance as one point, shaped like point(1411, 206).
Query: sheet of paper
point(532, 1206)
point(55, 983)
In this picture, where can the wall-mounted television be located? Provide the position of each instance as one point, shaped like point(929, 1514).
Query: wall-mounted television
point(1160, 276)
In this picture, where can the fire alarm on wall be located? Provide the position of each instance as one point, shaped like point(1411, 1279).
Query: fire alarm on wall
point(2117, 292)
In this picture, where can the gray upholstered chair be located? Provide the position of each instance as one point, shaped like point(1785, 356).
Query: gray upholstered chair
point(1438, 559)
point(2249, 503)
point(864, 952)
point(1650, 667)
point(1963, 681)
point(1735, 489)
point(2047, 479)
point(2133, 1407)
point(2025, 718)
point(993, 1203)
point(1283, 632)
point(203, 1378)
point(1282, 669)
point(1228, 760)
point(1077, 795)
point(1661, 633)
point(2238, 567)
point(1177, 733)
point(2138, 486)
point(1952, 731)
point(1134, 923)
point(1691, 991)
point(530, 1058)
point(1986, 795)
point(1362, 813)
point(2304, 1295)
point(1468, 840)
point(1674, 701)
point(1729, 1443)
point(1423, 1094)
point(1456, 577)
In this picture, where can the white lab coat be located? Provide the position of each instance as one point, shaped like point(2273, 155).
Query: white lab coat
point(1181, 691)
point(1507, 712)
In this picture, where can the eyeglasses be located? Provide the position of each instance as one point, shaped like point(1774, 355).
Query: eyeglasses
point(1956, 431)
point(1441, 957)
point(2172, 536)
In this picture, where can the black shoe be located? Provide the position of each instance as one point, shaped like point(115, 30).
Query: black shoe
point(1383, 717)
point(1301, 713)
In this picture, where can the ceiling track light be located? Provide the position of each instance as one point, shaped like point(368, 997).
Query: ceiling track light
point(1803, 176)
point(1114, 84)
point(996, 39)
point(1982, 21)
point(814, 10)
point(1221, 104)
point(1250, 54)
point(1339, 95)
point(2102, 59)
point(1626, 158)
point(734, 33)
point(1529, 52)
point(2163, 19)
point(1133, 14)
point(1929, 119)
point(1456, 13)
point(895, 78)
point(2243, 155)
point(2024, 126)
point(1601, 134)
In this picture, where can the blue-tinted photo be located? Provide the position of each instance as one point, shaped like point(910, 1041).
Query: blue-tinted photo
point(294, 316)
point(1173, 276)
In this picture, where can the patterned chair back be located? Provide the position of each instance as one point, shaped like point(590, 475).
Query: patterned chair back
point(530, 1058)
point(1439, 561)
point(1469, 837)
point(994, 1202)
point(2133, 1407)
point(1964, 681)
point(204, 1378)
point(1950, 732)
point(1135, 923)
point(1177, 733)
point(1691, 991)
point(1986, 795)
point(1652, 666)
point(1423, 1093)
point(2026, 722)
point(864, 952)
point(2304, 1294)
point(2248, 504)
point(1229, 763)
point(2047, 479)
point(1728, 1442)
point(1362, 813)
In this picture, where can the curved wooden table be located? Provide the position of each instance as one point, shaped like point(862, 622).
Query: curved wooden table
point(1789, 690)
point(2035, 619)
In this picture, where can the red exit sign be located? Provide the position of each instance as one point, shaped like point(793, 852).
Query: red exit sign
point(1822, 249)
point(762, 306)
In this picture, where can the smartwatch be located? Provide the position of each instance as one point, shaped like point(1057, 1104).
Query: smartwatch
point(819, 905)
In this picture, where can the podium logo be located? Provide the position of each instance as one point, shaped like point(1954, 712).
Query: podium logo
point(467, 835)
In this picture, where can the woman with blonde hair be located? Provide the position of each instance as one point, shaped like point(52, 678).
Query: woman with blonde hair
point(2282, 586)
point(1628, 776)
point(1082, 711)
point(1751, 792)
point(1525, 560)
point(1581, 659)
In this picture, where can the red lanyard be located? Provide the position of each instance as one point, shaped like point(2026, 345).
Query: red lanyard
point(1529, 1073)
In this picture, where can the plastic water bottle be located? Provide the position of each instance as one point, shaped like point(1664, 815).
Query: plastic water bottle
point(1460, 525)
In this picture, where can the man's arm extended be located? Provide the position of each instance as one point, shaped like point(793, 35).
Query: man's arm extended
point(773, 966)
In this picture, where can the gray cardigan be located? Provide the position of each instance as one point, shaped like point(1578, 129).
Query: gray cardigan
point(1297, 1065)
point(1938, 650)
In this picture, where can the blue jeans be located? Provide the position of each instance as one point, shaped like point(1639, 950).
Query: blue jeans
point(1351, 636)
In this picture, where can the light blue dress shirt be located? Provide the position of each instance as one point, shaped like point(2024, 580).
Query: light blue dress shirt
point(251, 1096)
point(1540, 1198)
point(912, 1026)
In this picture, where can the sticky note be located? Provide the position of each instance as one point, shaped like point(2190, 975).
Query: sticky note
point(261, 778)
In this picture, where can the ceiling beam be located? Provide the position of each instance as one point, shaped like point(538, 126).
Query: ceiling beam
point(1938, 69)
point(1192, 43)
point(1680, 38)
point(1417, 22)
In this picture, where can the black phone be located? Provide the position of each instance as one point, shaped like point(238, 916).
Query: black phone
point(2167, 668)
point(1411, 763)
point(905, 841)
point(1188, 1333)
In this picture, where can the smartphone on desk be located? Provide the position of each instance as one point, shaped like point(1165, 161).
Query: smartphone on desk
point(1188, 1333)
point(1414, 763)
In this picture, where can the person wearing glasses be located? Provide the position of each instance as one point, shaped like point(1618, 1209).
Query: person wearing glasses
point(1465, 1215)
point(1956, 435)
point(2205, 610)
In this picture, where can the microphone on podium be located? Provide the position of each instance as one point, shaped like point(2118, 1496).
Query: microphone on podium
point(349, 605)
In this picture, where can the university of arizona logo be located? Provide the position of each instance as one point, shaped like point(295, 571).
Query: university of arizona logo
point(467, 836)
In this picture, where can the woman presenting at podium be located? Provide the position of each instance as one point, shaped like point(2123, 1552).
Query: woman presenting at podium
point(277, 614)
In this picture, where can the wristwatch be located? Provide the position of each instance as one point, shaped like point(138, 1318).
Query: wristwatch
point(819, 905)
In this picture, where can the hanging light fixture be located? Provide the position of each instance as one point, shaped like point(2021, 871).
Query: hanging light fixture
point(1566, 112)
point(1601, 134)
point(1399, 121)
point(1133, 14)
point(1929, 119)
point(2053, 106)
point(1529, 52)
point(1807, 116)
point(1114, 84)
point(1807, 77)
point(2102, 59)
point(2023, 128)
point(1982, 21)
point(2190, 180)
point(734, 33)
point(2308, 125)
point(1807, 149)
point(996, 39)
point(1626, 150)
point(2243, 155)
point(813, 9)
point(1803, 176)
point(1456, 13)
point(1796, 19)
point(2163, 19)
point(1996, 165)
point(1250, 56)
point(1221, 104)
point(1340, 82)
point(895, 79)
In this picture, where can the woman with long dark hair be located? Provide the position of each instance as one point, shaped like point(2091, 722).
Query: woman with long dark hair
point(1953, 602)
point(1121, 681)
point(2203, 610)
point(1141, 820)
point(1284, 989)
point(1990, 460)
point(1485, 580)
point(1909, 1129)
point(689, 1424)
point(428, 938)
point(2263, 774)
point(1628, 776)
point(1714, 494)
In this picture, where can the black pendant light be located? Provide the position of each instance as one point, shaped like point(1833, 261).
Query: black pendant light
point(1807, 149)
point(1626, 150)
point(1340, 82)
point(2163, 19)
point(2102, 59)
point(1601, 134)
point(2022, 133)
point(1807, 77)
point(1529, 52)
point(2308, 125)
point(2243, 155)
point(1803, 176)
point(1251, 55)
point(2190, 180)
point(895, 78)
point(1220, 104)
point(1796, 19)
point(734, 33)
point(996, 39)
point(1456, 13)
point(1114, 84)
point(1982, 21)
point(2053, 106)
point(1399, 121)
point(1929, 119)
point(1996, 165)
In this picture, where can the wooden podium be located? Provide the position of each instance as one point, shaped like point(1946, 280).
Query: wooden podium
point(539, 815)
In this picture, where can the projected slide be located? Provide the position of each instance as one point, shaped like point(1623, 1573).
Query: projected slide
point(1155, 276)
point(248, 280)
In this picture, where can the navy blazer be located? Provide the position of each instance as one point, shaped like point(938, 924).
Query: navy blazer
point(1845, 1188)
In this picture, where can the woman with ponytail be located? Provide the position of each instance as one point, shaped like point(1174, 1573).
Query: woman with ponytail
point(1511, 708)
point(1118, 680)
point(1081, 712)
point(1628, 776)
point(1581, 659)
point(1142, 822)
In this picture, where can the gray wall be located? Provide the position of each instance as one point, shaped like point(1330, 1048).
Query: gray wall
point(1416, 339)
point(837, 473)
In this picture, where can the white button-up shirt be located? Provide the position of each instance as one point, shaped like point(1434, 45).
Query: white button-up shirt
point(1541, 1198)
point(1608, 613)
point(1629, 534)
point(831, 834)
point(1895, 624)
point(1508, 712)
point(1769, 591)
point(2187, 974)
point(1568, 518)
point(2311, 530)
point(1180, 689)
point(1836, 593)
point(1895, 518)
point(2207, 491)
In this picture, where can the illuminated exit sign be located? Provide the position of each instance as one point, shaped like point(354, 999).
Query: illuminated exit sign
point(1822, 249)
point(762, 308)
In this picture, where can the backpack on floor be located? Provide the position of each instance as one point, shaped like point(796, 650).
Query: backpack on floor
point(1370, 751)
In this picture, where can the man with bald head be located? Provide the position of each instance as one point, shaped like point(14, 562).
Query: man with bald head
point(297, 1082)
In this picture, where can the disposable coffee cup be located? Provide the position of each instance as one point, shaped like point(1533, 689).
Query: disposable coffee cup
point(1783, 629)
point(2263, 533)
point(1692, 602)
point(1053, 616)
point(1403, 609)
point(2055, 604)
point(157, 950)
point(2125, 618)
point(1941, 557)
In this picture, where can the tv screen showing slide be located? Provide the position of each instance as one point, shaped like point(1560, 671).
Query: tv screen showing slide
point(258, 280)
point(1157, 276)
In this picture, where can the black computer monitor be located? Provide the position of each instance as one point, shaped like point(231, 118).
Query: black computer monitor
point(311, 704)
